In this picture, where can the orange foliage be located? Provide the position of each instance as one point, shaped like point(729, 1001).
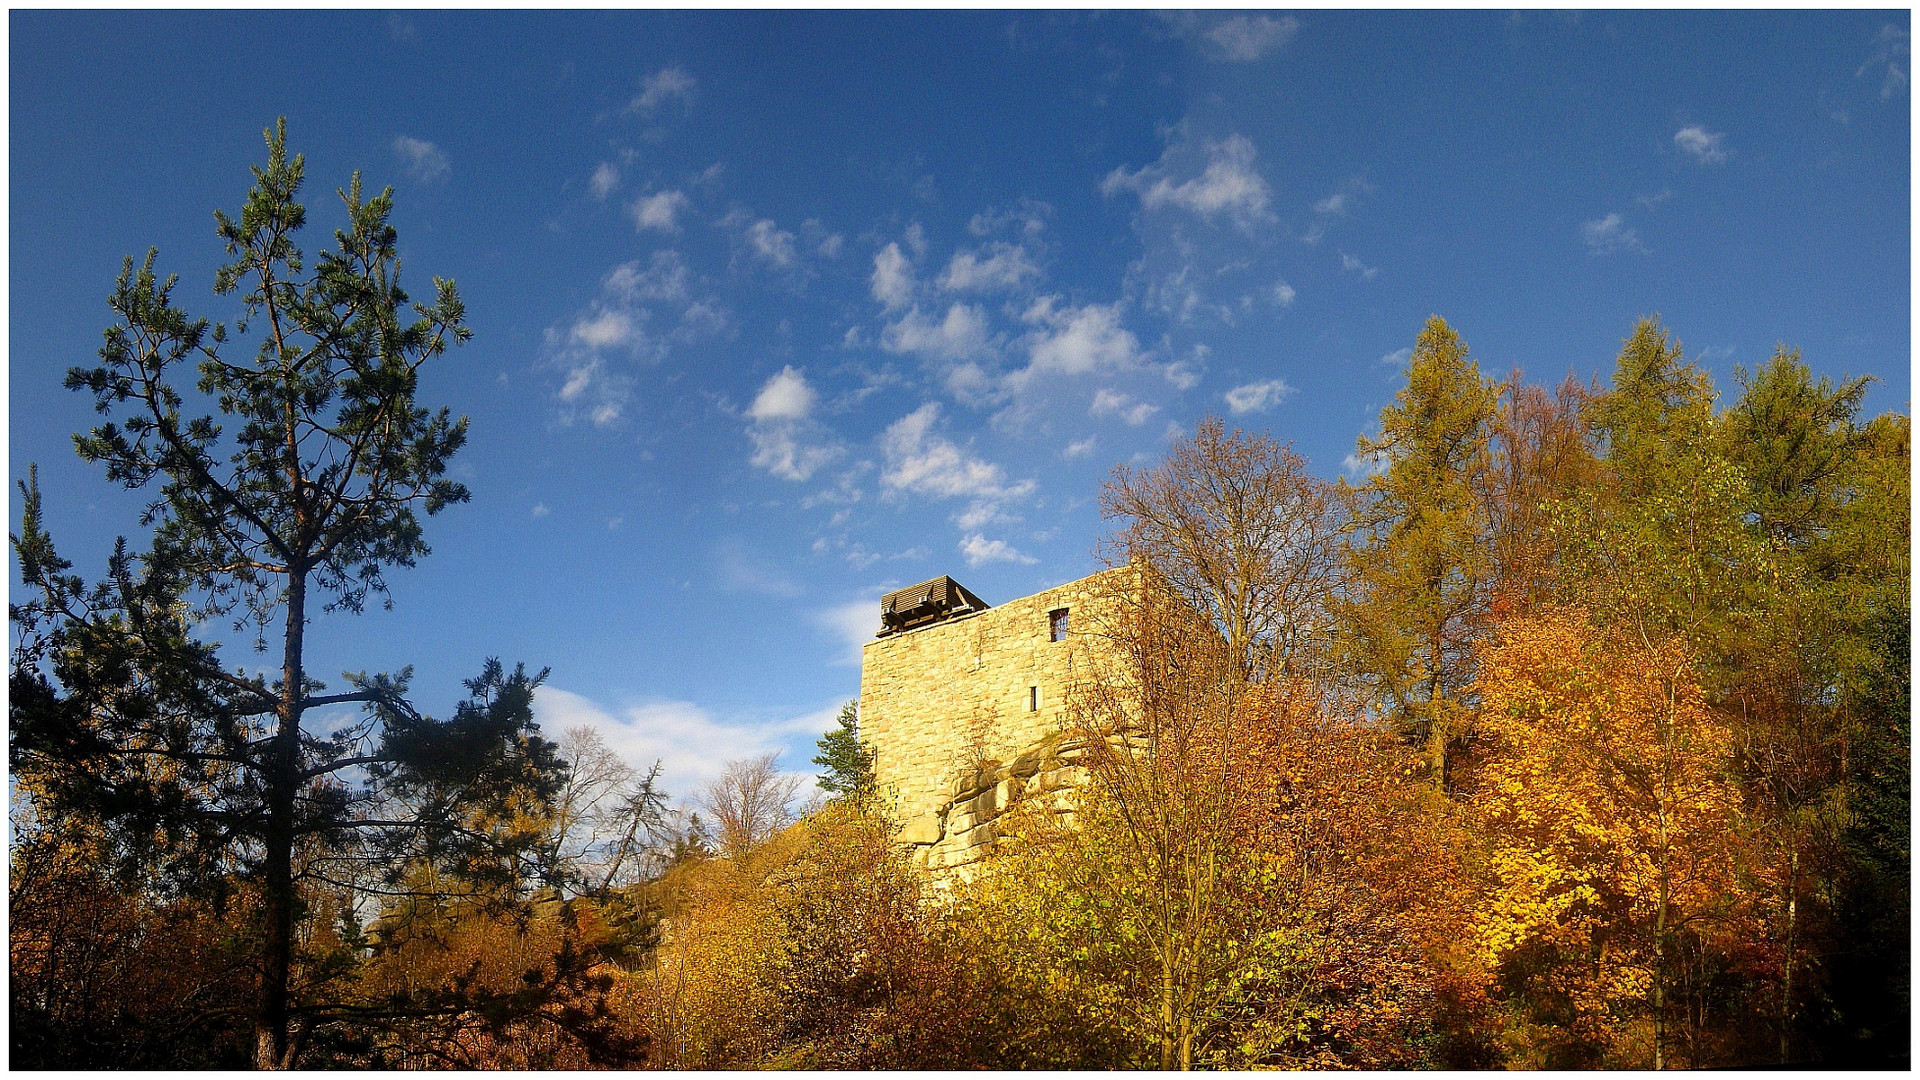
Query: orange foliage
point(1614, 825)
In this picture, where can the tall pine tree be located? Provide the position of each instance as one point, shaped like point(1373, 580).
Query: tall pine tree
point(306, 488)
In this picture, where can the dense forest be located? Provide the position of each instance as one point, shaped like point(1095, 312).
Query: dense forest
point(1573, 732)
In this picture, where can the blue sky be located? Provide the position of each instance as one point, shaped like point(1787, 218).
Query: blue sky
point(774, 312)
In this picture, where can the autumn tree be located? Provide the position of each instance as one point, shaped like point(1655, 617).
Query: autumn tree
point(610, 822)
point(749, 802)
point(307, 486)
point(1418, 566)
point(1239, 529)
point(1541, 458)
point(1606, 786)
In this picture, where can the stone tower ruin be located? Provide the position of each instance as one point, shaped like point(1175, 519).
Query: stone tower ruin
point(964, 703)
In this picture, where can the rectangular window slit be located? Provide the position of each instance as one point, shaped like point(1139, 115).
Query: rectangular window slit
point(1057, 624)
point(1033, 699)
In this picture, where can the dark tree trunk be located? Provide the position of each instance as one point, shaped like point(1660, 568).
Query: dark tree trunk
point(270, 1029)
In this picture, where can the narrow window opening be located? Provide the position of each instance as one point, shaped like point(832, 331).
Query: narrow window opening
point(1057, 624)
point(1033, 699)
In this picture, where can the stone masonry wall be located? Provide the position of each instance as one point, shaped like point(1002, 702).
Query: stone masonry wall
point(948, 709)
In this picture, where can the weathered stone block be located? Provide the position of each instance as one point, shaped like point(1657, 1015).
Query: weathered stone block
point(924, 829)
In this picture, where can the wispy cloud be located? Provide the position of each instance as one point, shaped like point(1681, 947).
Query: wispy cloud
point(980, 551)
point(605, 179)
point(742, 571)
point(1398, 358)
point(1352, 265)
point(1027, 217)
point(786, 441)
point(998, 266)
point(959, 334)
point(1892, 48)
point(1283, 294)
point(1337, 205)
point(852, 623)
point(667, 84)
point(663, 278)
point(892, 282)
point(1079, 448)
point(770, 243)
point(424, 161)
point(1707, 147)
point(1259, 396)
point(1245, 38)
point(1114, 403)
point(591, 350)
point(922, 462)
point(1606, 235)
point(1228, 184)
point(660, 211)
point(825, 242)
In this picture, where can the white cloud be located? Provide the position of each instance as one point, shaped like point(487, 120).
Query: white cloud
point(1228, 184)
point(1080, 449)
point(960, 334)
point(980, 551)
point(892, 277)
point(825, 241)
point(1335, 203)
point(659, 88)
point(786, 396)
point(660, 211)
point(1244, 38)
point(424, 161)
point(1258, 397)
point(1027, 218)
point(617, 324)
point(997, 266)
point(1076, 341)
point(778, 449)
point(1891, 48)
point(540, 510)
point(770, 242)
point(1353, 265)
point(665, 278)
point(605, 179)
point(1283, 294)
point(1360, 468)
point(785, 441)
point(1398, 358)
point(1704, 145)
point(595, 390)
point(919, 461)
point(691, 744)
point(854, 623)
point(1113, 403)
point(604, 330)
point(1609, 234)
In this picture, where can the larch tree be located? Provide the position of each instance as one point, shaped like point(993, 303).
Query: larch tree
point(308, 485)
point(1419, 566)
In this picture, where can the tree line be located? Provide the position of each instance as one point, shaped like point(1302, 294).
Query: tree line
point(1572, 733)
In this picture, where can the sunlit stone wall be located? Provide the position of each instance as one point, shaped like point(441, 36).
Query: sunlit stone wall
point(951, 711)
